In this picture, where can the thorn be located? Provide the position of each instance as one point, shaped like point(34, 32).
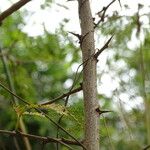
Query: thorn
point(103, 48)
point(77, 35)
point(102, 111)
point(105, 111)
point(93, 19)
point(109, 40)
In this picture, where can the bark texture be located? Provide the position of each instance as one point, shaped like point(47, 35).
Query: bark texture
point(89, 76)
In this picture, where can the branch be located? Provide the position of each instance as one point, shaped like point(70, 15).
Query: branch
point(147, 147)
point(77, 35)
point(41, 111)
point(103, 11)
point(12, 9)
point(41, 138)
point(66, 101)
point(63, 95)
point(120, 3)
point(102, 111)
point(80, 37)
point(103, 48)
point(19, 98)
point(138, 22)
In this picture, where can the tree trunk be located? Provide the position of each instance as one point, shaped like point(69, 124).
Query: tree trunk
point(89, 76)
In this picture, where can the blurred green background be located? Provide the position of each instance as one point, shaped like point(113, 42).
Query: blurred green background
point(43, 67)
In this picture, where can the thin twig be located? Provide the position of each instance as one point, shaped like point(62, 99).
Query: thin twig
point(41, 138)
point(41, 111)
point(74, 83)
point(102, 16)
point(8, 76)
point(123, 117)
point(66, 100)
point(63, 96)
point(120, 3)
point(14, 100)
point(12, 9)
point(8, 90)
point(16, 143)
point(103, 48)
point(110, 140)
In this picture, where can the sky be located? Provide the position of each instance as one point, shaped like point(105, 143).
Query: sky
point(54, 15)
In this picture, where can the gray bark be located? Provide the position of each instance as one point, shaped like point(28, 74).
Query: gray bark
point(89, 76)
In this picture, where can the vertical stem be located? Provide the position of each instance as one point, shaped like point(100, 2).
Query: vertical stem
point(89, 76)
point(125, 119)
point(146, 100)
point(14, 100)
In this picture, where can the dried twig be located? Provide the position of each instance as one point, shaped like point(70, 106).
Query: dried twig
point(63, 96)
point(76, 78)
point(102, 13)
point(74, 83)
point(120, 3)
point(41, 138)
point(41, 111)
point(12, 9)
point(103, 48)
point(138, 22)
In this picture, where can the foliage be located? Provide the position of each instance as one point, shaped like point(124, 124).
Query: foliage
point(39, 70)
